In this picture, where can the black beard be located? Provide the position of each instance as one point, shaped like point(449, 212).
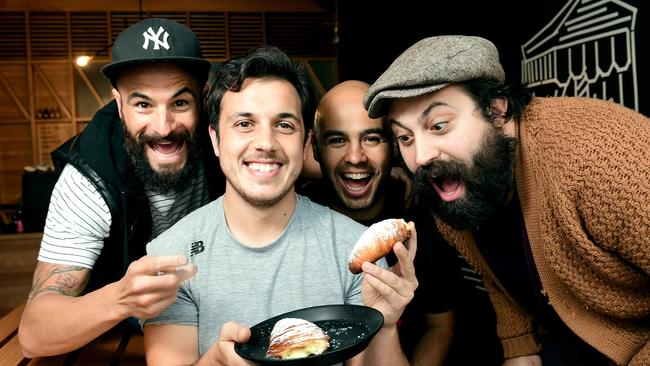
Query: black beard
point(488, 183)
point(166, 181)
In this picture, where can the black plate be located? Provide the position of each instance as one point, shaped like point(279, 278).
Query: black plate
point(350, 327)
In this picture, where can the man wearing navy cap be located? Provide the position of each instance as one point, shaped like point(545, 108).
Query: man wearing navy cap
point(548, 198)
point(135, 170)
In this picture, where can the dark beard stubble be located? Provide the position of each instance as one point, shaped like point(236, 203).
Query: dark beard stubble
point(488, 183)
point(167, 180)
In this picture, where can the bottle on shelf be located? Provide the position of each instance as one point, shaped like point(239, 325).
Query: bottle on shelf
point(18, 222)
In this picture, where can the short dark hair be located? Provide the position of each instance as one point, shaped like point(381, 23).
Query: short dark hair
point(265, 62)
point(484, 91)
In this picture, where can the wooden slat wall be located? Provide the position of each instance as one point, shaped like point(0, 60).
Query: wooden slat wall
point(37, 49)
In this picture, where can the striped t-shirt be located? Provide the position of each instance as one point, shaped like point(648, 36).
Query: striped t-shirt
point(78, 218)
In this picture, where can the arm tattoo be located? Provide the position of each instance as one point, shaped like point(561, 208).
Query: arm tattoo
point(66, 282)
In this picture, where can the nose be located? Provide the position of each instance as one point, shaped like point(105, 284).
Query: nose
point(355, 153)
point(264, 138)
point(425, 152)
point(163, 123)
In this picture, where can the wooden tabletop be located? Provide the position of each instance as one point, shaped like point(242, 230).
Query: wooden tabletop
point(119, 346)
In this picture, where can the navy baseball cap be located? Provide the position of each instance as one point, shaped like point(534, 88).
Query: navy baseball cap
point(156, 40)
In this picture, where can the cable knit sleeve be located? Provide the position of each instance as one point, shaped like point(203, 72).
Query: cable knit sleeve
point(643, 357)
point(514, 327)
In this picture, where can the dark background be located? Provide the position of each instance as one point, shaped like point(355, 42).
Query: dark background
point(373, 34)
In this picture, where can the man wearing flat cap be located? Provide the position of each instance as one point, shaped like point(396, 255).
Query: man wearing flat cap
point(135, 170)
point(548, 198)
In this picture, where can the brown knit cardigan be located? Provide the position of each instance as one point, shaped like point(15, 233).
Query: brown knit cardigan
point(583, 179)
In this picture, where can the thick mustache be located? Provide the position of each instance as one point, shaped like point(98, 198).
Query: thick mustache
point(172, 137)
point(438, 169)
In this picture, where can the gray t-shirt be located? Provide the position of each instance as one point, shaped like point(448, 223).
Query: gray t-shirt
point(305, 266)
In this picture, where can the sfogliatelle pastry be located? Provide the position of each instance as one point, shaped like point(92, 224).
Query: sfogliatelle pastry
point(377, 241)
point(296, 338)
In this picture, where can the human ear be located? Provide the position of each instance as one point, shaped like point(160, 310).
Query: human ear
point(118, 100)
point(500, 107)
point(214, 138)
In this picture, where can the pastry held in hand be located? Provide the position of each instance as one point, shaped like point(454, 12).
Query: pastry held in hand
point(296, 338)
point(377, 241)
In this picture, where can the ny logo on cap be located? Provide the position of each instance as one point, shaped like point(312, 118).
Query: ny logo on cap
point(154, 37)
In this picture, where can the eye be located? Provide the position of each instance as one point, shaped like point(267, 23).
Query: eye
point(373, 140)
point(404, 139)
point(244, 124)
point(438, 127)
point(335, 141)
point(142, 105)
point(181, 103)
point(285, 125)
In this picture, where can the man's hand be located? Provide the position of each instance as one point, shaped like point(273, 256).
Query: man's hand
point(151, 284)
point(531, 360)
point(389, 291)
point(222, 352)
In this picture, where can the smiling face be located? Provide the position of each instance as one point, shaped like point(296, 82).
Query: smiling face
point(463, 163)
point(260, 144)
point(352, 149)
point(159, 106)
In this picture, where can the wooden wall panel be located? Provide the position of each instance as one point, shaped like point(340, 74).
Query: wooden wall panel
point(245, 30)
point(48, 35)
point(13, 45)
point(15, 153)
point(14, 93)
point(52, 82)
point(50, 136)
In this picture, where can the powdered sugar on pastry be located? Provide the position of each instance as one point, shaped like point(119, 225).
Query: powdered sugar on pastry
point(296, 338)
point(377, 241)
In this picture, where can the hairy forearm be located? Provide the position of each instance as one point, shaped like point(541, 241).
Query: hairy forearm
point(432, 348)
point(56, 321)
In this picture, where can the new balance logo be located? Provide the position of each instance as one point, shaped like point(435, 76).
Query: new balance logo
point(154, 37)
point(197, 247)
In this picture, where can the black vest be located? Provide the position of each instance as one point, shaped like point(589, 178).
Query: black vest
point(99, 155)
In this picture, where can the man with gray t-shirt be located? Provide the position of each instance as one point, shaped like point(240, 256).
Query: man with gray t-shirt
point(305, 266)
point(261, 249)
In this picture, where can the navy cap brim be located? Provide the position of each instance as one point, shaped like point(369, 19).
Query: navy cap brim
point(113, 70)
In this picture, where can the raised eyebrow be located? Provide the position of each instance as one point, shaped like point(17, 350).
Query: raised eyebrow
point(397, 123)
point(137, 95)
point(431, 107)
point(183, 90)
point(423, 116)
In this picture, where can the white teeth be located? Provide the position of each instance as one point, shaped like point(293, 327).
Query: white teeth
point(263, 167)
point(356, 175)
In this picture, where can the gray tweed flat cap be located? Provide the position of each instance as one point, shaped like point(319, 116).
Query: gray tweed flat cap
point(432, 64)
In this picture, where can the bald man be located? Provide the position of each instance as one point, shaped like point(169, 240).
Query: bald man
point(355, 155)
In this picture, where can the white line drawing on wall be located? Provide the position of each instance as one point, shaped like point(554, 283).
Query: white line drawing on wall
point(587, 49)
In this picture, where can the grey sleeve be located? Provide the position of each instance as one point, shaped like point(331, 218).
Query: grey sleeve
point(183, 312)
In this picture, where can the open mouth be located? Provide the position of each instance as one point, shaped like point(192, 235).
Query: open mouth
point(355, 184)
point(448, 188)
point(167, 151)
point(166, 147)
